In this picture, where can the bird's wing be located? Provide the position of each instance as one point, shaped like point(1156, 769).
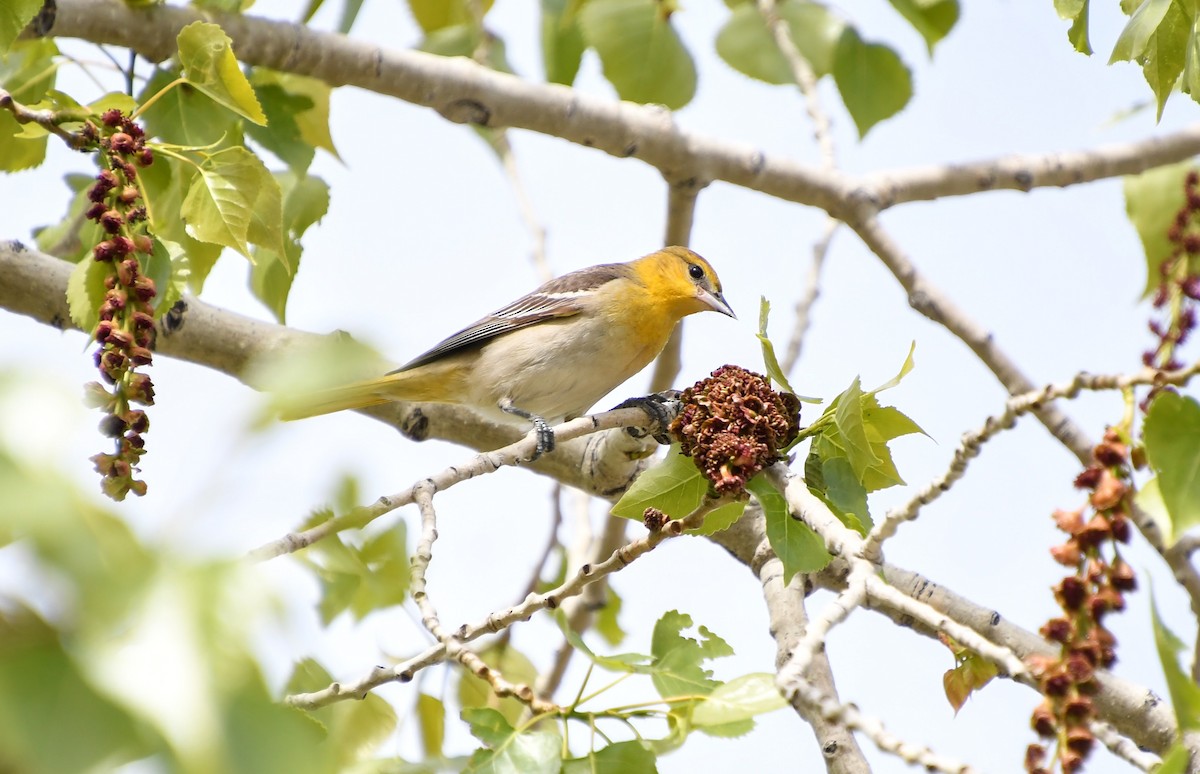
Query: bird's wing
point(564, 296)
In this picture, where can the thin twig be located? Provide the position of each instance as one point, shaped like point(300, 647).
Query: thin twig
point(487, 462)
point(1016, 407)
point(806, 82)
point(497, 621)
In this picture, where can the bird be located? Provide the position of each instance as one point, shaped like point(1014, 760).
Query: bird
point(551, 354)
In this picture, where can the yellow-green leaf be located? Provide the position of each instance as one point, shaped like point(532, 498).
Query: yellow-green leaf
point(1151, 201)
point(206, 54)
point(1172, 437)
point(219, 206)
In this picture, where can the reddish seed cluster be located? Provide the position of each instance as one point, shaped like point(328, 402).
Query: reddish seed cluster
point(1179, 288)
point(1096, 588)
point(125, 330)
point(733, 425)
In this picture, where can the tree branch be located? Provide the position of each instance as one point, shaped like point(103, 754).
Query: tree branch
point(465, 92)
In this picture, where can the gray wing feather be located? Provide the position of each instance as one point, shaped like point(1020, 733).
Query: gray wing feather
point(558, 298)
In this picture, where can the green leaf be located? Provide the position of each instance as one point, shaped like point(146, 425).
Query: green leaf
point(510, 751)
point(641, 53)
point(742, 698)
point(361, 579)
point(431, 719)
point(476, 693)
point(677, 658)
point(164, 186)
point(933, 19)
point(465, 40)
point(306, 200)
point(353, 728)
point(1176, 760)
point(219, 206)
point(1135, 37)
point(1151, 201)
point(47, 698)
point(852, 434)
point(873, 81)
point(1149, 499)
point(607, 623)
point(905, 369)
point(768, 349)
point(1077, 34)
point(85, 292)
point(281, 135)
point(845, 493)
point(562, 42)
point(184, 115)
point(14, 16)
point(797, 546)
point(1185, 694)
point(206, 54)
point(624, 662)
point(72, 237)
point(28, 72)
point(747, 45)
point(1172, 437)
point(313, 121)
point(433, 15)
point(674, 486)
point(632, 757)
point(1166, 54)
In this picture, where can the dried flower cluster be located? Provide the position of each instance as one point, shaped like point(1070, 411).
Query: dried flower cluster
point(125, 329)
point(733, 425)
point(1096, 588)
point(1179, 289)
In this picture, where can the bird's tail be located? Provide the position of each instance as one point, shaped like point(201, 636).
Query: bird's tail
point(425, 384)
point(350, 396)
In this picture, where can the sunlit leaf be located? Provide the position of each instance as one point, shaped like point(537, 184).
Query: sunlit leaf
point(206, 55)
point(678, 658)
point(184, 115)
point(14, 16)
point(632, 757)
point(474, 692)
point(27, 72)
point(510, 751)
point(1152, 199)
point(739, 699)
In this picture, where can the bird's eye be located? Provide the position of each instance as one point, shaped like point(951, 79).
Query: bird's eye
point(696, 272)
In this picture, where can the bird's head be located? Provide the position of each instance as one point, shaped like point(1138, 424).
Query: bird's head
point(683, 280)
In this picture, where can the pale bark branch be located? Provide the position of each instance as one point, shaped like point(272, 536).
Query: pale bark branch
point(466, 92)
point(747, 541)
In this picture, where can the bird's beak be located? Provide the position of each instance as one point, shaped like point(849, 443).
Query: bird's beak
point(716, 302)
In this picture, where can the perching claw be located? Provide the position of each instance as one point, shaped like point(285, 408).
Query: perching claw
point(661, 406)
point(545, 435)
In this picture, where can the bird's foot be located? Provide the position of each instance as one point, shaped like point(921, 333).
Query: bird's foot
point(545, 434)
point(662, 407)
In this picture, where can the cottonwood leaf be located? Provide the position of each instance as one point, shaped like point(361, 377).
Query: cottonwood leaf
point(206, 56)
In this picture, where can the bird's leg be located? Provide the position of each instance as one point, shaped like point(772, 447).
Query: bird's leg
point(545, 436)
point(662, 407)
